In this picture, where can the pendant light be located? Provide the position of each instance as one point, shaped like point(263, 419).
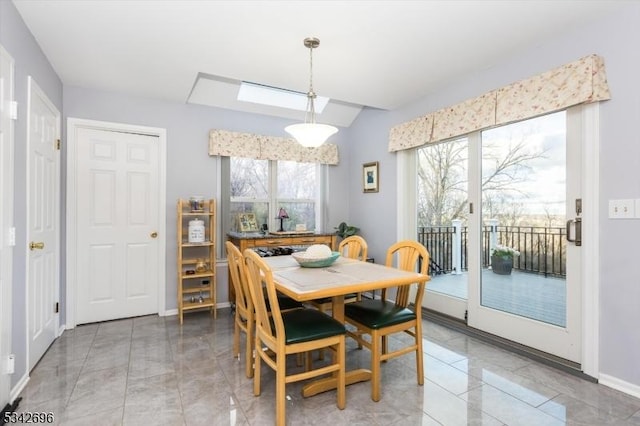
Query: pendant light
point(310, 133)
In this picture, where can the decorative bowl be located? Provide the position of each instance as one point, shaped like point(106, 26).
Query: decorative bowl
point(314, 262)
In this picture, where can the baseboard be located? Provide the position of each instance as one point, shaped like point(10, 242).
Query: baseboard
point(18, 388)
point(173, 312)
point(618, 384)
point(61, 330)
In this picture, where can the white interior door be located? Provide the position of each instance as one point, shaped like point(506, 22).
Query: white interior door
point(43, 222)
point(7, 233)
point(117, 218)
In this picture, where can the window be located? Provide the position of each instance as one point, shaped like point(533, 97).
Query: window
point(263, 187)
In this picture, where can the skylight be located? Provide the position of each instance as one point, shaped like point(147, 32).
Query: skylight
point(274, 96)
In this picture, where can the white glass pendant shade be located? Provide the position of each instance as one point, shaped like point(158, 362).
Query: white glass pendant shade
point(311, 135)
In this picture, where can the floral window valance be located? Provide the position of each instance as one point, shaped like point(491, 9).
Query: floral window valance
point(579, 82)
point(235, 144)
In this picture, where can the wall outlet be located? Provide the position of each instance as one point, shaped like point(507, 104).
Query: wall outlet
point(622, 209)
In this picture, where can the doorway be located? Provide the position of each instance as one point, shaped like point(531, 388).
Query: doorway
point(115, 221)
point(540, 303)
point(43, 222)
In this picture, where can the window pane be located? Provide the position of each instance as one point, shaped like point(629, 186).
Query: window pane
point(297, 181)
point(249, 178)
point(260, 209)
point(299, 213)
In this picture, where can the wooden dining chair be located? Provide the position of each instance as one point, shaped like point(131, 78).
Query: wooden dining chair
point(245, 313)
point(292, 332)
point(380, 318)
point(353, 247)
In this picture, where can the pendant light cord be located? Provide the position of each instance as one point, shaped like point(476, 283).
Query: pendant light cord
point(311, 110)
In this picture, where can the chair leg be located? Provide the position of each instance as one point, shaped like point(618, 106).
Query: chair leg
point(341, 390)
point(385, 345)
point(375, 366)
point(308, 362)
point(236, 338)
point(281, 368)
point(256, 368)
point(419, 354)
point(249, 353)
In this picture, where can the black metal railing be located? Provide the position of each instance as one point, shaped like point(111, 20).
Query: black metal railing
point(542, 249)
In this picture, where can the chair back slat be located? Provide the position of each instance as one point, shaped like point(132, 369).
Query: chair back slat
point(354, 247)
point(260, 277)
point(235, 259)
point(406, 255)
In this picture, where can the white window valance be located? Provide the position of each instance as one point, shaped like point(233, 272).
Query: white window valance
point(248, 145)
point(579, 82)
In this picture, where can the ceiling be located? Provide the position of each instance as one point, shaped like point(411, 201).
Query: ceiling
point(379, 54)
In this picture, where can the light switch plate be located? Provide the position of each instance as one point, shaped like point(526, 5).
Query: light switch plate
point(622, 209)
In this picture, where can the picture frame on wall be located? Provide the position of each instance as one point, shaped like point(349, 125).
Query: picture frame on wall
point(370, 177)
point(246, 222)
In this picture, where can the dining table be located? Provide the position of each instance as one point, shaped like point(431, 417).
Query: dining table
point(344, 276)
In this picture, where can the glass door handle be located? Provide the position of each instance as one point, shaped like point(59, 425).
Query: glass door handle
point(577, 239)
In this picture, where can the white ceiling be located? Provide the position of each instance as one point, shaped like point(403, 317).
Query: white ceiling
point(380, 54)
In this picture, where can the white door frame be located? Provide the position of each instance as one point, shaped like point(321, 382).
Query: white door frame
point(406, 228)
point(7, 230)
point(73, 124)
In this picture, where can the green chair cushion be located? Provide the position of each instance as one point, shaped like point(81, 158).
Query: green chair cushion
point(285, 302)
point(303, 325)
point(377, 314)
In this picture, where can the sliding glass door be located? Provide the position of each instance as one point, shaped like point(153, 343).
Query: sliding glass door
point(507, 192)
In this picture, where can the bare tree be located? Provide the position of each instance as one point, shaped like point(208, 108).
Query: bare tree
point(442, 173)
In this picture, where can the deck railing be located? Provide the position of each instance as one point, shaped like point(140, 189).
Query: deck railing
point(542, 249)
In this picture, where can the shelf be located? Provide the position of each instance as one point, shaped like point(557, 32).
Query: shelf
point(198, 275)
point(191, 254)
point(190, 213)
point(208, 303)
point(205, 244)
point(189, 290)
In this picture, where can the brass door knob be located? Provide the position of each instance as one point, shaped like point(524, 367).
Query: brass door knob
point(154, 235)
point(34, 246)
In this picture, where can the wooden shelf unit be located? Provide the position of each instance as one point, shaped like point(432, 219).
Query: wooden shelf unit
point(194, 285)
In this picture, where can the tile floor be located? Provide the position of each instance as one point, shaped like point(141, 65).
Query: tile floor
point(152, 371)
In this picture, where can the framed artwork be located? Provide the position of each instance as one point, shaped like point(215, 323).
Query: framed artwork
point(370, 177)
point(247, 222)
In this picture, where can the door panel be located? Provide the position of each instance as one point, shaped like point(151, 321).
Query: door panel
point(118, 187)
point(538, 303)
point(43, 230)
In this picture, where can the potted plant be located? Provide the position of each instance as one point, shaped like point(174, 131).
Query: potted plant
point(502, 259)
point(343, 230)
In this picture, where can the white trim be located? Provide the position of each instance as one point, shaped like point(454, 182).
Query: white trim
point(73, 124)
point(19, 387)
point(33, 87)
point(591, 229)
point(406, 195)
point(7, 165)
point(618, 384)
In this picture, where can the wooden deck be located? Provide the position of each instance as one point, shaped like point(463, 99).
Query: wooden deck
point(528, 295)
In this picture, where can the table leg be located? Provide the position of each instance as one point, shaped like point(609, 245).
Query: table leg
point(329, 383)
